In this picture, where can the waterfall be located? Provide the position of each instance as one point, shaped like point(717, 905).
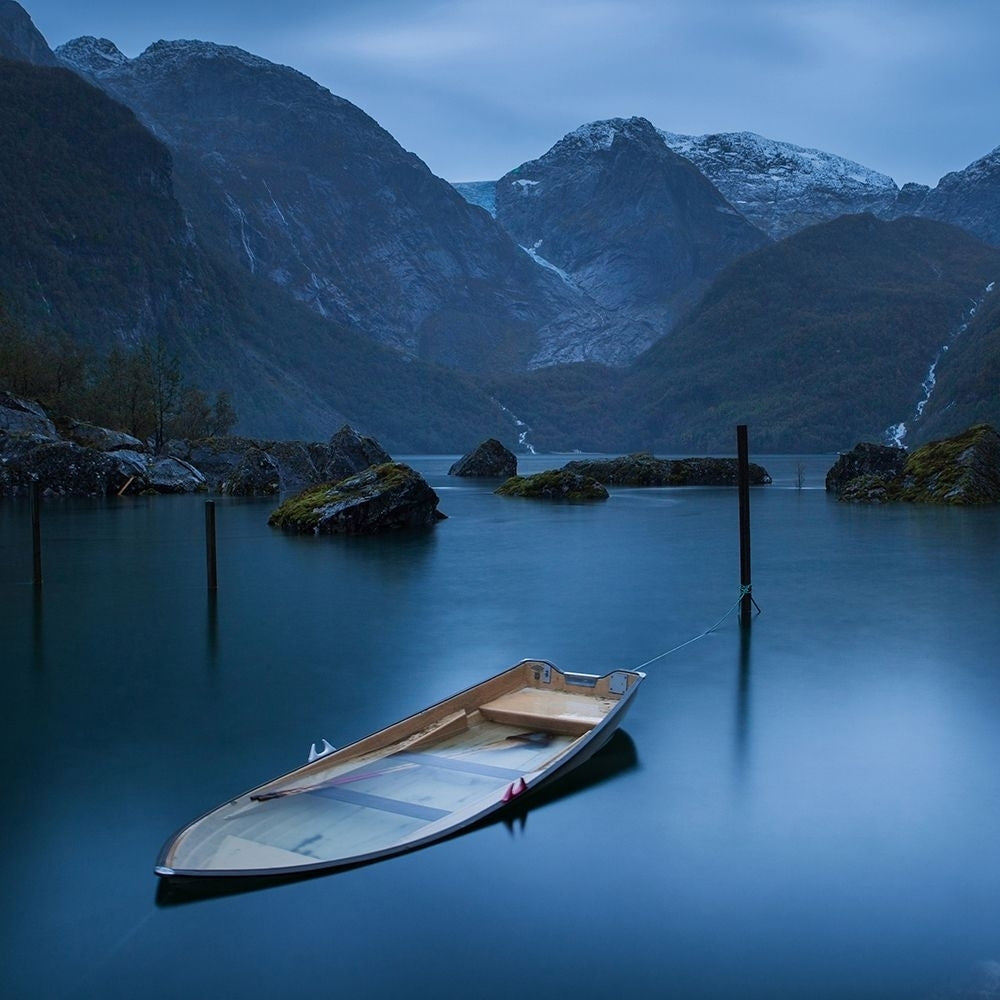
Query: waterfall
point(523, 430)
point(895, 434)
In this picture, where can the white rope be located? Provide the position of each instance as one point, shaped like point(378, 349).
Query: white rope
point(701, 635)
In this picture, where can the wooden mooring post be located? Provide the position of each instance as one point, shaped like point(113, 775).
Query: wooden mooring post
point(213, 578)
point(36, 533)
point(743, 483)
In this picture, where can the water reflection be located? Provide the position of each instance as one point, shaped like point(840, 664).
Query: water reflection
point(617, 757)
point(37, 629)
point(742, 730)
point(212, 629)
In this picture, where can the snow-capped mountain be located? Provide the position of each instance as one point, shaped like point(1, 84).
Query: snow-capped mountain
point(618, 215)
point(783, 188)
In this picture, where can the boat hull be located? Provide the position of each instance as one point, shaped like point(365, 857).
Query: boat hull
point(431, 775)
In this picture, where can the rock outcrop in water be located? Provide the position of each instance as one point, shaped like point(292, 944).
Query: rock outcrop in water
point(961, 470)
point(555, 484)
point(867, 466)
point(383, 498)
point(642, 469)
point(490, 459)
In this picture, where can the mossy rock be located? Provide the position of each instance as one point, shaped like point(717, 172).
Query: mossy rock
point(961, 470)
point(555, 484)
point(867, 488)
point(382, 498)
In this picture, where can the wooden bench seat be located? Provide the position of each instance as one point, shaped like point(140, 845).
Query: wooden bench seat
point(547, 711)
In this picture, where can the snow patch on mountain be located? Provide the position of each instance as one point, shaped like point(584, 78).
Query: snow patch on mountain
point(781, 187)
point(533, 253)
point(91, 55)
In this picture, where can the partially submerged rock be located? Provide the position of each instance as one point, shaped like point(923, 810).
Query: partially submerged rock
point(489, 460)
point(883, 462)
point(961, 470)
point(642, 469)
point(556, 484)
point(63, 468)
point(385, 497)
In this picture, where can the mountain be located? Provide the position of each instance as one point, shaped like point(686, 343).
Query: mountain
point(969, 198)
point(819, 341)
point(965, 388)
point(20, 39)
point(783, 188)
point(621, 217)
point(97, 246)
point(304, 189)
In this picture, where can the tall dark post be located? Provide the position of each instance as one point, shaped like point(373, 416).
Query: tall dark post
point(36, 533)
point(743, 482)
point(213, 579)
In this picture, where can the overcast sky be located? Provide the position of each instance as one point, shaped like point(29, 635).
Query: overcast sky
point(907, 87)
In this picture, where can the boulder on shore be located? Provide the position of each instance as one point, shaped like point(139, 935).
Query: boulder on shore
point(246, 466)
point(489, 460)
point(961, 470)
point(257, 474)
point(384, 497)
point(555, 484)
point(642, 469)
point(24, 416)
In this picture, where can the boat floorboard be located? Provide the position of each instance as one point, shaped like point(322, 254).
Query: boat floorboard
point(354, 808)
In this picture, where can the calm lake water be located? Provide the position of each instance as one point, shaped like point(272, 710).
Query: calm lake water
point(809, 810)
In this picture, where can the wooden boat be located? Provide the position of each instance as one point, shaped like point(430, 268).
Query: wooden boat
point(417, 781)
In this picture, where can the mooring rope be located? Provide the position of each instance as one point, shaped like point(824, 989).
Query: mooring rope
point(744, 592)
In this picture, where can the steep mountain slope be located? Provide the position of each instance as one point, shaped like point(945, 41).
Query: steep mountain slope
point(90, 217)
point(306, 190)
point(20, 39)
point(631, 223)
point(97, 246)
point(783, 188)
point(965, 389)
point(819, 341)
point(969, 198)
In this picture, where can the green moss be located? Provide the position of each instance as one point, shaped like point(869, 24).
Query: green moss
point(554, 484)
point(938, 471)
point(302, 512)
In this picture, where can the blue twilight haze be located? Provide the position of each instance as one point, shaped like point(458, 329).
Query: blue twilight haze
point(906, 87)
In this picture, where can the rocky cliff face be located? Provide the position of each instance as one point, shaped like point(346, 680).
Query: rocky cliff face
point(618, 215)
point(969, 198)
point(783, 188)
point(308, 192)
